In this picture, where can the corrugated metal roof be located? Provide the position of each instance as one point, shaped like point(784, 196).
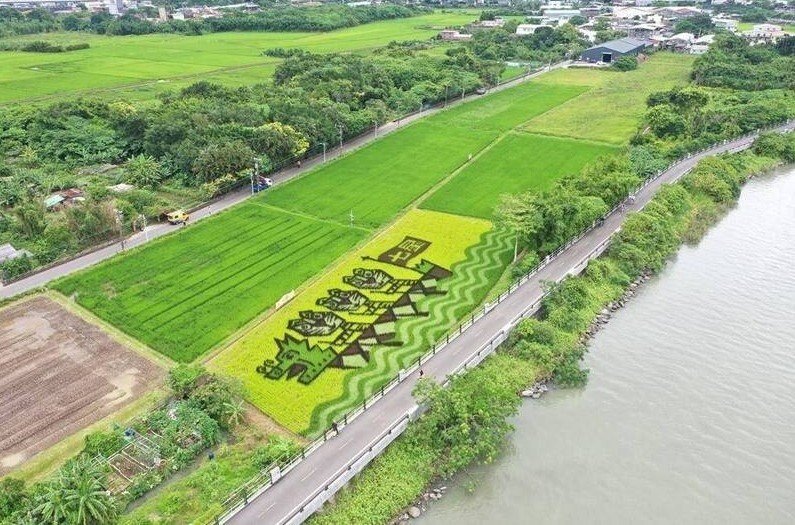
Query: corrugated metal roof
point(623, 45)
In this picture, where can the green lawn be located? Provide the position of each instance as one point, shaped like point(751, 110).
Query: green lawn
point(746, 26)
point(610, 112)
point(146, 64)
point(386, 176)
point(516, 164)
point(187, 292)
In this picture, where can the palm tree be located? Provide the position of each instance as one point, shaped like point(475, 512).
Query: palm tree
point(235, 410)
point(84, 493)
point(77, 496)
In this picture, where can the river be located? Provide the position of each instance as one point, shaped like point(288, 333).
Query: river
point(689, 412)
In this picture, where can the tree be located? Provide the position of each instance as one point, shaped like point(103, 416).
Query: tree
point(578, 20)
point(517, 214)
point(30, 218)
point(699, 24)
point(143, 171)
point(218, 160)
point(182, 379)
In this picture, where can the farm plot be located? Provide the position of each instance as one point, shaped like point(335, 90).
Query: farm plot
point(516, 164)
point(611, 110)
point(59, 374)
point(187, 292)
point(386, 176)
point(151, 63)
point(380, 308)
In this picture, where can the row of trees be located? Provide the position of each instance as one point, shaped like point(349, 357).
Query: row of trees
point(277, 18)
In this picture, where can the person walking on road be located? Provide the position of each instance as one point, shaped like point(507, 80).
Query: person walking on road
point(334, 428)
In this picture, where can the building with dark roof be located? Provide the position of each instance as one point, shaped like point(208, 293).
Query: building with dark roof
point(608, 52)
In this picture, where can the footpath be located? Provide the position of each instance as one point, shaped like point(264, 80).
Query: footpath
point(297, 494)
point(41, 278)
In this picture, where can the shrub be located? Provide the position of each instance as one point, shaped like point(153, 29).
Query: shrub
point(626, 63)
point(103, 443)
point(278, 449)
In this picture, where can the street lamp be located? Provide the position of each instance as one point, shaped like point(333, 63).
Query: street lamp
point(339, 127)
point(324, 152)
point(146, 233)
point(120, 223)
point(463, 89)
point(375, 128)
point(254, 173)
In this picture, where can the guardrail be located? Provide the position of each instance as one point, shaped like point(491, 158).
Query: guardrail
point(263, 481)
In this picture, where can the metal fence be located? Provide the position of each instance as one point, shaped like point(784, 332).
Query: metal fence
point(263, 481)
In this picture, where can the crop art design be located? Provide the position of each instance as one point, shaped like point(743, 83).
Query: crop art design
point(359, 316)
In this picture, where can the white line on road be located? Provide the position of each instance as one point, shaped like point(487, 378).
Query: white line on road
point(308, 474)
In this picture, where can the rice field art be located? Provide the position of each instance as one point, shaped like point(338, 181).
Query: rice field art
point(381, 308)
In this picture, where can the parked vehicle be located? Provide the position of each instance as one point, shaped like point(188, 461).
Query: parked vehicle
point(480, 91)
point(177, 217)
point(262, 183)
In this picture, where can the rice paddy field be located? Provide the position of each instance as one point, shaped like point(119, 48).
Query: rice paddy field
point(305, 382)
point(380, 305)
point(140, 66)
point(386, 176)
point(616, 102)
point(187, 292)
point(518, 163)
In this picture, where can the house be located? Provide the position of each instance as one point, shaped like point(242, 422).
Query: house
point(63, 198)
point(680, 42)
point(764, 33)
point(528, 29)
point(8, 252)
point(562, 15)
point(725, 23)
point(701, 45)
point(452, 34)
point(608, 52)
point(490, 24)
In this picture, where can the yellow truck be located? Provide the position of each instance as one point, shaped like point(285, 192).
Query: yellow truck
point(177, 217)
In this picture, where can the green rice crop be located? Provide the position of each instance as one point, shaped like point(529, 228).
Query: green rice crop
point(518, 163)
point(187, 292)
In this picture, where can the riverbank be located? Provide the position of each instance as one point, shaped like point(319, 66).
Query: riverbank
point(551, 345)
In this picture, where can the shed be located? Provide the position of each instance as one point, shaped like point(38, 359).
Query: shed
point(613, 50)
point(8, 252)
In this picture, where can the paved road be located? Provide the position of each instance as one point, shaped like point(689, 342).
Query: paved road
point(40, 279)
point(280, 503)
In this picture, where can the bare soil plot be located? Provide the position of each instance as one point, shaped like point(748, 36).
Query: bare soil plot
point(58, 374)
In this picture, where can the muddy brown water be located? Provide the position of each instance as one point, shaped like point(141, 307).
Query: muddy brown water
point(689, 414)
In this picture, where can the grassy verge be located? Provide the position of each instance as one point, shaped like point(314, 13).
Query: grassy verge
point(611, 110)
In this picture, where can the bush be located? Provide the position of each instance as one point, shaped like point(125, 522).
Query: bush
point(103, 443)
point(626, 63)
point(182, 379)
point(278, 450)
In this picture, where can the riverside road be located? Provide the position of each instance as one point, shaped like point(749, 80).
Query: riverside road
point(40, 279)
point(282, 501)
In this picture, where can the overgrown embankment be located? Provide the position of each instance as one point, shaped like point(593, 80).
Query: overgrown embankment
point(467, 422)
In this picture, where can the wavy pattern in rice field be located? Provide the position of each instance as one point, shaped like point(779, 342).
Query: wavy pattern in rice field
point(471, 280)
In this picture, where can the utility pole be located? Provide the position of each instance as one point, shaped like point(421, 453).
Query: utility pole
point(375, 128)
point(254, 173)
point(120, 222)
point(324, 152)
point(462, 93)
point(146, 233)
point(446, 87)
point(339, 127)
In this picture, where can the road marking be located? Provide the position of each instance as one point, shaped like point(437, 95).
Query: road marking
point(262, 514)
point(345, 443)
point(309, 474)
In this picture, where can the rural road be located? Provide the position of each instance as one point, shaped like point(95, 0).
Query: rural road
point(43, 277)
point(282, 502)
